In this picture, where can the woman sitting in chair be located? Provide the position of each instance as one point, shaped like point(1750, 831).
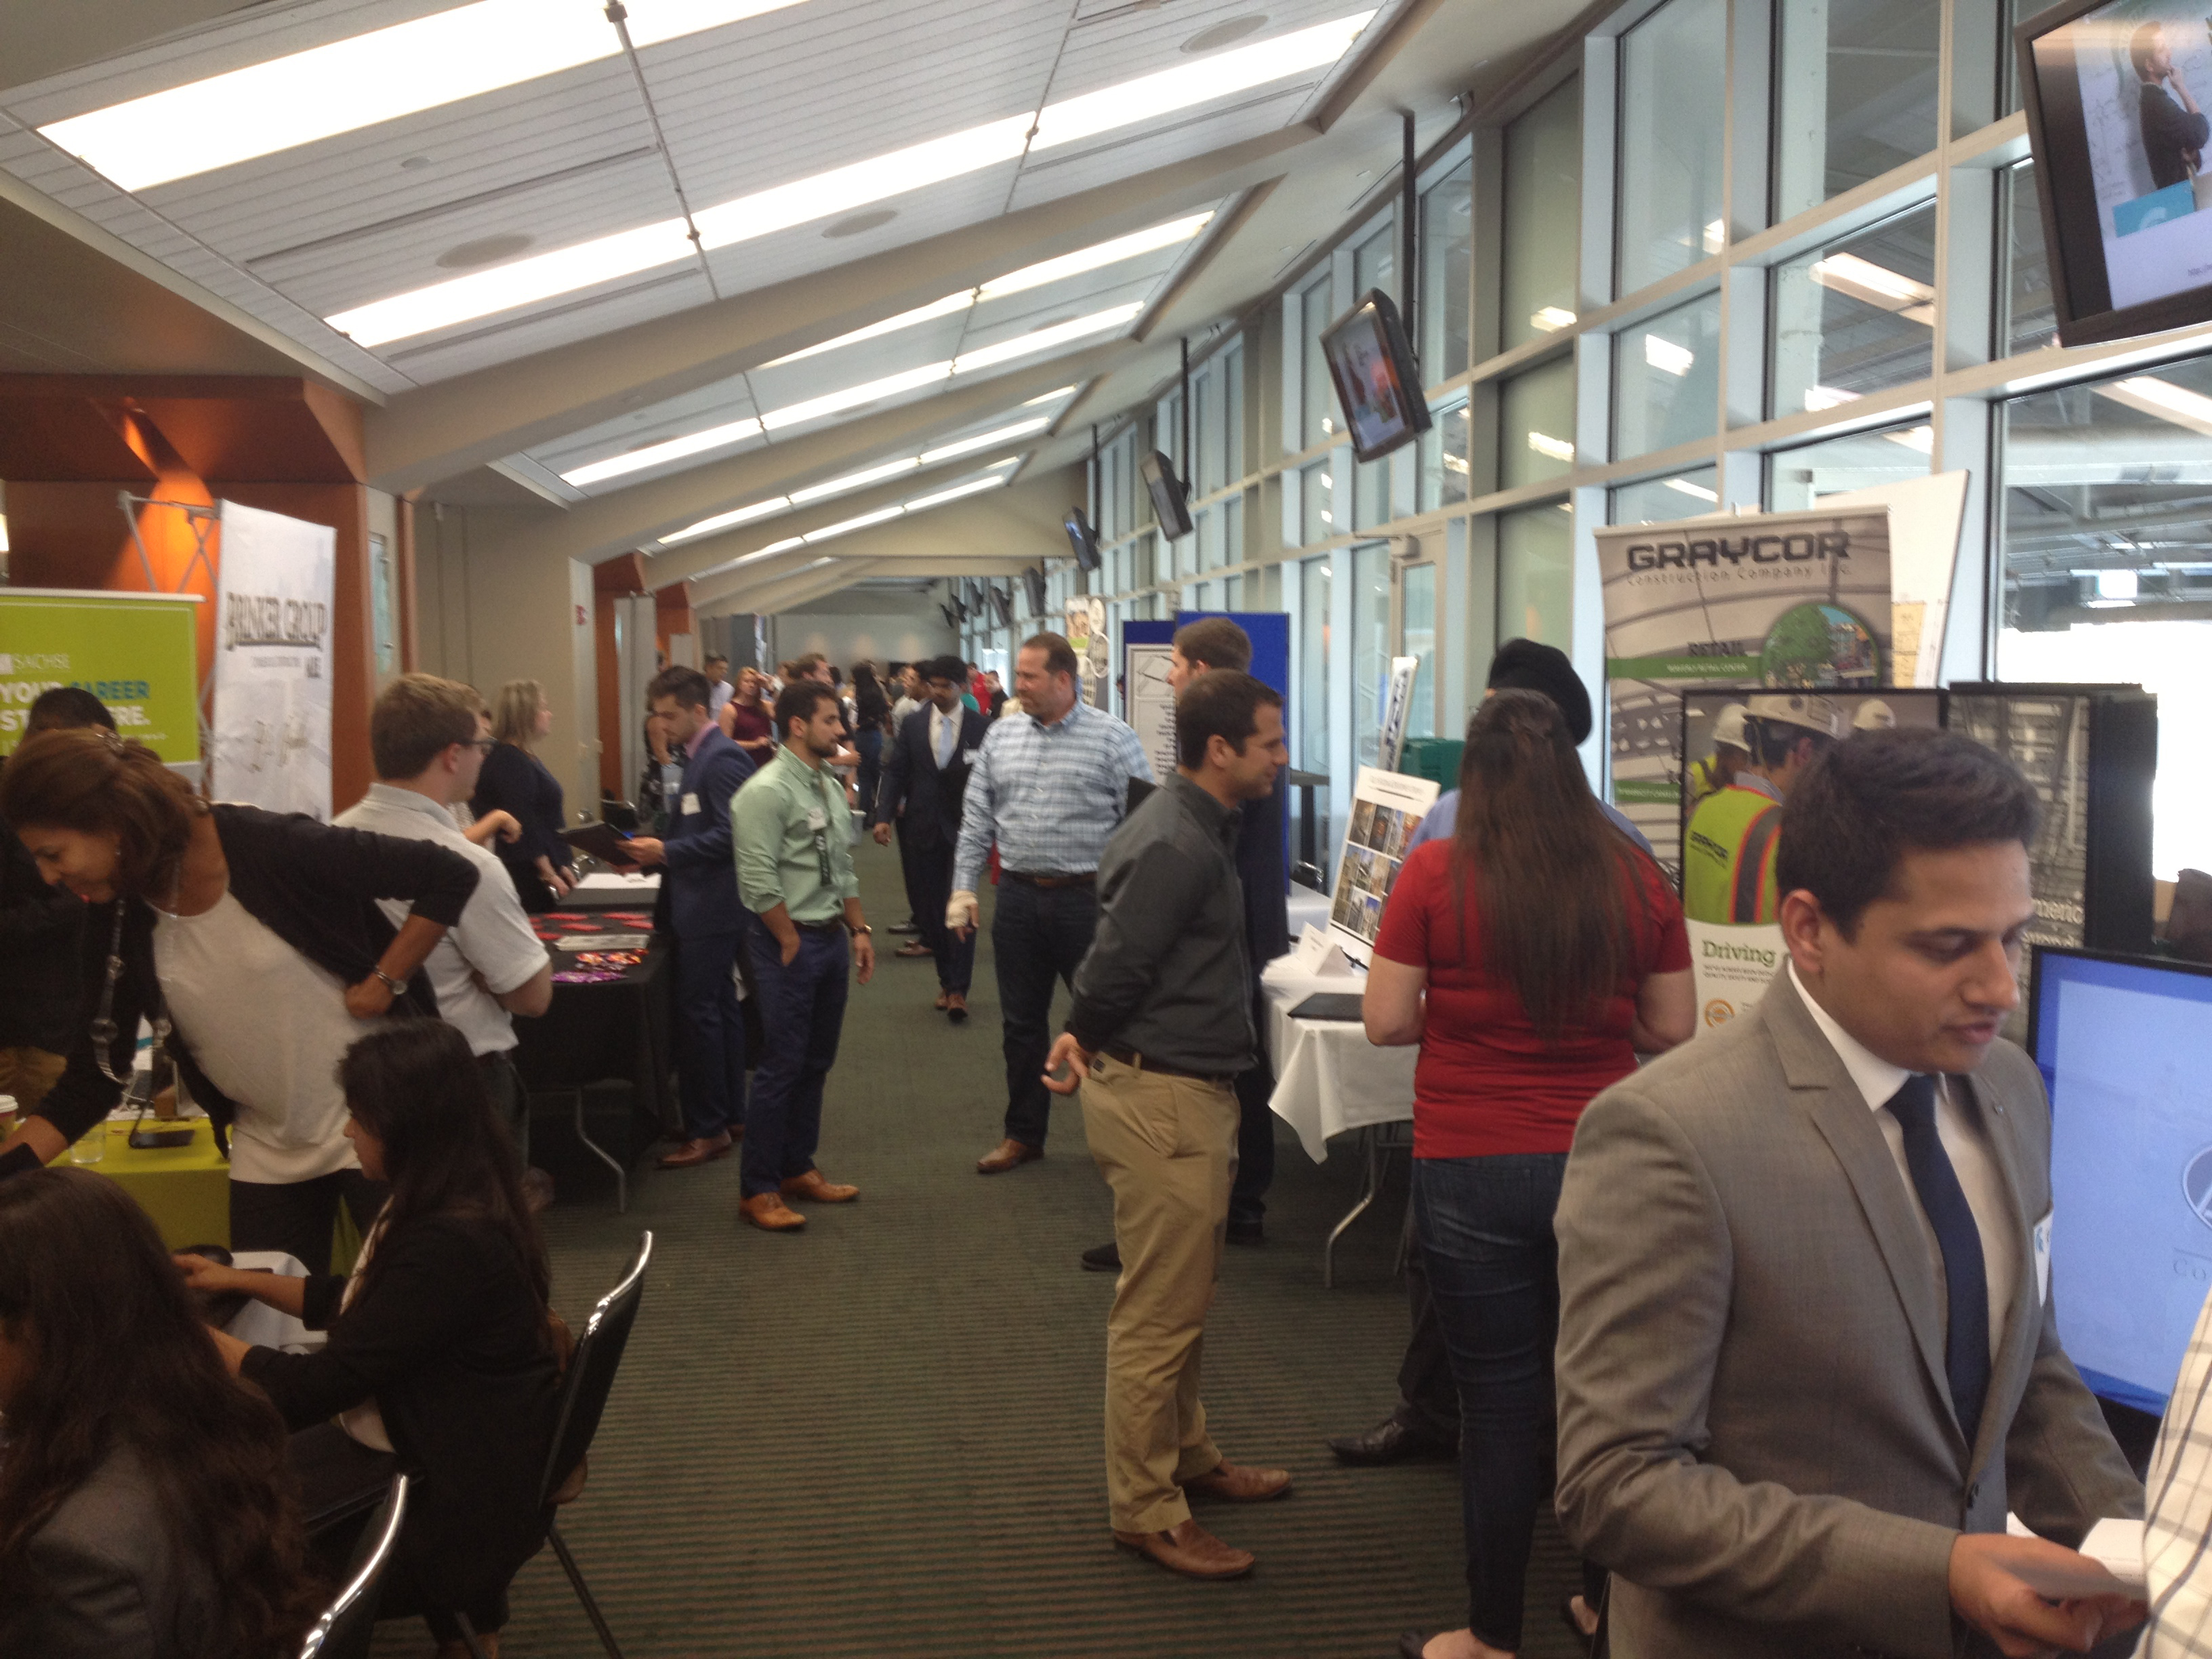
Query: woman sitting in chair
point(145, 1507)
point(441, 1348)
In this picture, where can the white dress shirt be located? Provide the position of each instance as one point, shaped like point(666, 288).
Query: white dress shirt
point(1967, 1145)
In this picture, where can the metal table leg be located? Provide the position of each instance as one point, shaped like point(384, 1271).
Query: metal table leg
point(621, 1176)
point(1376, 1141)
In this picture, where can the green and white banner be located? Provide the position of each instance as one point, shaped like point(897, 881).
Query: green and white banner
point(135, 652)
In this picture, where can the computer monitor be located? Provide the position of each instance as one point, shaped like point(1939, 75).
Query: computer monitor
point(1378, 384)
point(2124, 1044)
point(1082, 538)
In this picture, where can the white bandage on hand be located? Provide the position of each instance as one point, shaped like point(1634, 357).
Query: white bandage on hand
point(960, 911)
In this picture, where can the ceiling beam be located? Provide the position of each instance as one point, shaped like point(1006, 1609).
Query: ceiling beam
point(37, 41)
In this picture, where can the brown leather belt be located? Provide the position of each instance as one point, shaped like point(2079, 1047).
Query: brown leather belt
point(1130, 1057)
point(1085, 878)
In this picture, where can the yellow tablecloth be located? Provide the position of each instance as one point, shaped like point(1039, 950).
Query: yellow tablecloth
point(186, 1189)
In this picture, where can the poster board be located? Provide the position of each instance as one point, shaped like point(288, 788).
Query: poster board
point(1150, 702)
point(1387, 807)
point(135, 652)
point(1094, 654)
point(273, 662)
point(1926, 518)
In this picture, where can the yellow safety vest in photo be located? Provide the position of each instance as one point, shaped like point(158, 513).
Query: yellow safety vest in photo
point(1727, 858)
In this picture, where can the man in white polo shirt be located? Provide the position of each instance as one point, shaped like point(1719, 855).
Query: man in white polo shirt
point(428, 742)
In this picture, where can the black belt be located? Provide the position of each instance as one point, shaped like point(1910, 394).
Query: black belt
point(1085, 878)
point(1130, 1057)
point(832, 926)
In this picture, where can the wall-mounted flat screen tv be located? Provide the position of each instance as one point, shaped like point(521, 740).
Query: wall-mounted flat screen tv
point(1083, 539)
point(1034, 581)
point(2117, 92)
point(1170, 504)
point(1378, 385)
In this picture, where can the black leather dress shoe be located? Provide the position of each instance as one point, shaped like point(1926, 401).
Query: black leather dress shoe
point(1393, 1440)
point(1247, 1231)
point(1104, 1259)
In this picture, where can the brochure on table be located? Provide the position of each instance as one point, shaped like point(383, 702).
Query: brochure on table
point(1387, 807)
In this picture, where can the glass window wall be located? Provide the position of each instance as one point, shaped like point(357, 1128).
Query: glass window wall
point(1420, 643)
point(1797, 478)
point(1666, 375)
point(1536, 425)
point(1855, 316)
point(1542, 240)
point(1370, 647)
point(2027, 318)
point(1312, 749)
point(1537, 575)
point(1444, 453)
point(1856, 84)
point(1673, 143)
point(1316, 396)
point(1447, 273)
point(1659, 500)
point(1317, 494)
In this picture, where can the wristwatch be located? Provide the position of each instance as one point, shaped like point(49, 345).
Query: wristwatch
point(857, 931)
point(396, 987)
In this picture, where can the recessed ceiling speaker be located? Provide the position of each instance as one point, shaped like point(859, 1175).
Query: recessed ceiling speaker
point(853, 224)
point(485, 250)
point(1224, 32)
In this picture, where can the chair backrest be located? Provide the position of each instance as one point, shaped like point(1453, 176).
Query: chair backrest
point(345, 1630)
point(591, 1375)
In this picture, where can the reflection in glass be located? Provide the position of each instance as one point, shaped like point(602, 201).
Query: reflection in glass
point(1374, 264)
point(1796, 478)
point(1316, 396)
point(1313, 665)
point(2029, 317)
point(1857, 316)
point(1444, 451)
point(1447, 255)
point(1420, 635)
point(1667, 379)
point(1370, 494)
point(1536, 424)
point(1856, 85)
point(1537, 575)
point(1674, 96)
point(1660, 501)
point(1370, 647)
point(1316, 489)
point(1543, 216)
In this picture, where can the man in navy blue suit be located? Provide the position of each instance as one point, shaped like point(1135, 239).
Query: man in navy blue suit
point(925, 782)
point(699, 908)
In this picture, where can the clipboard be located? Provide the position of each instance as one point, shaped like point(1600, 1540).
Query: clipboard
point(601, 840)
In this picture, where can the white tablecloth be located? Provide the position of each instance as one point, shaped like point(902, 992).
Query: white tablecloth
point(1328, 1078)
point(258, 1322)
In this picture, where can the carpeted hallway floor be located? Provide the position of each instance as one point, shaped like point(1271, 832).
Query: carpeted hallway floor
point(881, 1437)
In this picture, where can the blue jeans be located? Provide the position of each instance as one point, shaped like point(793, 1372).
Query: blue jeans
point(1038, 934)
point(710, 1034)
point(802, 1008)
point(1493, 1268)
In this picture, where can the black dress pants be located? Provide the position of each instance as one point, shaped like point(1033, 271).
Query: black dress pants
point(296, 1216)
point(932, 887)
point(1256, 1127)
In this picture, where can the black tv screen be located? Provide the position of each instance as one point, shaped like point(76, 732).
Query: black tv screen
point(1002, 604)
point(1034, 581)
point(2116, 92)
point(1378, 385)
point(1170, 506)
point(1082, 538)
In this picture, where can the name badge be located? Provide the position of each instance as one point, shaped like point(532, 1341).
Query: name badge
point(2040, 1243)
point(816, 818)
point(968, 756)
point(690, 802)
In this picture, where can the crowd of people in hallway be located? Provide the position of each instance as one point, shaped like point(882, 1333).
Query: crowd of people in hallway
point(1759, 1314)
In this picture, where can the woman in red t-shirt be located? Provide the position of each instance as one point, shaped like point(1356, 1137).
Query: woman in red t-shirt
point(1533, 956)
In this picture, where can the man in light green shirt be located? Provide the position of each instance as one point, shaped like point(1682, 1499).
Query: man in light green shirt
point(789, 827)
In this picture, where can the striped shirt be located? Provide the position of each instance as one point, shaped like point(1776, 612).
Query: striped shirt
point(1048, 795)
point(2177, 1534)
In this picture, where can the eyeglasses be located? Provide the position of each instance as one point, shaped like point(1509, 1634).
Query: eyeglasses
point(485, 743)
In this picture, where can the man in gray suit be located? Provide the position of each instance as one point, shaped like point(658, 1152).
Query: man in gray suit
point(1807, 1358)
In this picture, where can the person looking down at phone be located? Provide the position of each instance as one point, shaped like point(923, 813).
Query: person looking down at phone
point(254, 943)
point(2173, 128)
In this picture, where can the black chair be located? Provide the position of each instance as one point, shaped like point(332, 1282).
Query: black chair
point(346, 1631)
point(584, 1387)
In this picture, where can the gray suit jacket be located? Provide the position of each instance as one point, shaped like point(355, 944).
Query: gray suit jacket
point(1755, 1432)
point(112, 1583)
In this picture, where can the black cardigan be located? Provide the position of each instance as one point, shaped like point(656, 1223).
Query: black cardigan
point(313, 885)
point(39, 928)
point(515, 781)
point(449, 1342)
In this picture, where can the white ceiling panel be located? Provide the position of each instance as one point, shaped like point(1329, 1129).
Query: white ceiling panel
point(1055, 174)
point(517, 334)
point(1142, 42)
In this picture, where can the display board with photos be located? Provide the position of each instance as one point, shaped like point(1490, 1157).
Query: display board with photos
point(1387, 807)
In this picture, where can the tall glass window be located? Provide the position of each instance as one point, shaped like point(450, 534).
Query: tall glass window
point(1666, 377)
point(1370, 494)
point(1855, 93)
point(1313, 665)
point(1447, 257)
point(1318, 496)
point(1316, 396)
point(1543, 217)
point(1797, 478)
point(1857, 316)
point(1370, 647)
point(2107, 561)
point(1657, 500)
point(1375, 263)
point(1673, 142)
point(2027, 319)
point(1537, 575)
point(1444, 452)
point(1536, 425)
point(1420, 635)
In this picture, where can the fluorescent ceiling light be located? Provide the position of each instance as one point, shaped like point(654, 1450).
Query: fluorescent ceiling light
point(837, 402)
point(853, 480)
point(1552, 319)
point(2163, 398)
point(984, 440)
point(1876, 285)
point(1065, 391)
point(783, 546)
point(675, 449)
point(975, 487)
point(1043, 339)
point(728, 521)
point(1558, 449)
point(353, 84)
point(1667, 357)
point(841, 190)
point(1829, 396)
point(1096, 257)
point(951, 305)
point(850, 524)
point(1698, 490)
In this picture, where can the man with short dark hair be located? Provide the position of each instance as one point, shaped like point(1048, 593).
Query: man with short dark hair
point(1049, 785)
point(718, 689)
point(1161, 1027)
point(795, 873)
point(699, 910)
point(924, 782)
point(426, 741)
point(1808, 1357)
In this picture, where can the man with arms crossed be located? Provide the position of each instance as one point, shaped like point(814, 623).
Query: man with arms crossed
point(1808, 1359)
point(795, 873)
point(698, 907)
point(1051, 785)
point(1161, 1027)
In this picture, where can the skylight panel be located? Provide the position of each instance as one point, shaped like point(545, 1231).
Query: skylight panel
point(1044, 338)
point(1096, 258)
point(984, 440)
point(675, 449)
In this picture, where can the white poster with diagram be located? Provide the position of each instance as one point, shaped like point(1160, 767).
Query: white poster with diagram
point(1387, 807)
point(271, 723)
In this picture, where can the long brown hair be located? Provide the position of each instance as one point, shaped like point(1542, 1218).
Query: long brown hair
point(90, 780)
point(1548, 865)
point(119, 1359)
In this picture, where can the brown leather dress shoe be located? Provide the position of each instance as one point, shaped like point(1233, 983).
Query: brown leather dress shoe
point(816, 1190)
point(1189, 1549)
point(955, 1007)
point(768, 1213)
point(1006, 1156)
point(693, 1153)
point(1233, 1483)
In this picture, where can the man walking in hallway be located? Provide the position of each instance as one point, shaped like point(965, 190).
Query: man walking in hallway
point(925, 781)
point(1160, 1027)
point(795, 873)
point(699, 908)
point(1050, 786)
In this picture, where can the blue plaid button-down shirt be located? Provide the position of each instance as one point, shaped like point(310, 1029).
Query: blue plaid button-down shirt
point(1049, 795)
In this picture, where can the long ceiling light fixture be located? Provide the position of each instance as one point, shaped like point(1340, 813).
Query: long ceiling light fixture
point(882, 515)
point(382, 75)
point(674, 449)
point(841, 190)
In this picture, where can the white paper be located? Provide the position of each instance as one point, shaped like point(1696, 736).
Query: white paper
point(2114, 1563)
point(617, 881)
point(1152, 705)
point(271, 723)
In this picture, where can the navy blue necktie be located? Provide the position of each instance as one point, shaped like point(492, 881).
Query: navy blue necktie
point(1966, 1344)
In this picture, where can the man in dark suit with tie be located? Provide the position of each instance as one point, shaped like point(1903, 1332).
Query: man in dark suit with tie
point(925, 782)
point(1807, 1357)
point(698, 907)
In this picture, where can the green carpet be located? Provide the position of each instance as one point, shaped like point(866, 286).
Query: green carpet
point(881, 1437)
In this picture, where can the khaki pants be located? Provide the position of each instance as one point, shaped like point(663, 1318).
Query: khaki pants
point(1167, 1145)
point(29, 1075)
